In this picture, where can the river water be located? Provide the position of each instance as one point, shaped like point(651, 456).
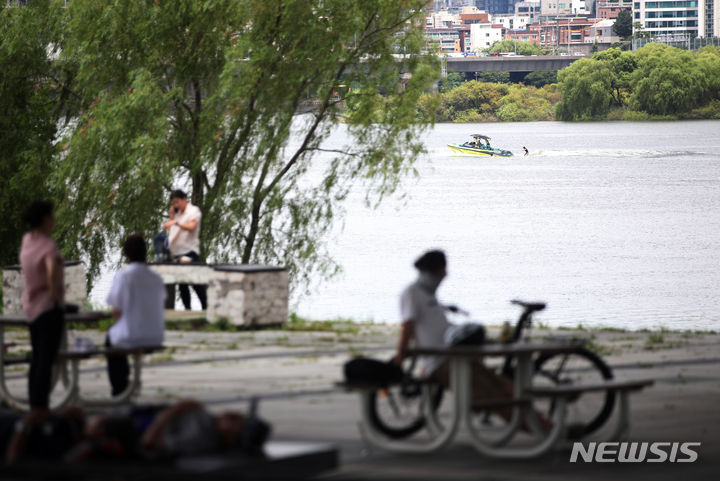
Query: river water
point(610, 223)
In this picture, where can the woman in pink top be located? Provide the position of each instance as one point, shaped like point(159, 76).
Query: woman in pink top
point(42, 265)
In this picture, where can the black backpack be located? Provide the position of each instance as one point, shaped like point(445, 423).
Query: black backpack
point(372, 371)
point(160, 246)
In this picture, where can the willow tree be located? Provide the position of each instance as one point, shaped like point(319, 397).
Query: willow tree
point(586, 90)
point(208, 96)
point(30, 109)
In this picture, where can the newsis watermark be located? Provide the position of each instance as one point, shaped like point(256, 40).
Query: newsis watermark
point(635, 452)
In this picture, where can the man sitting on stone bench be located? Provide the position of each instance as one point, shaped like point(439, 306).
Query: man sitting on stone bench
point(137, 298)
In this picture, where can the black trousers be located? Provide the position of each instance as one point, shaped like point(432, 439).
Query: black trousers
point(45, 336)
point(118, 369)
point(199, 289)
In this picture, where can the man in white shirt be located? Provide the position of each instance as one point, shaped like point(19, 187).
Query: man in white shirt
point(137, 298)
point(184, 240)
point(424, 322)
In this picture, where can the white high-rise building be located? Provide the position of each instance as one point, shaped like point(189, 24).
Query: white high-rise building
point(678, 19)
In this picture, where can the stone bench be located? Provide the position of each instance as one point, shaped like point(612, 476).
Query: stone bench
point(245, 294)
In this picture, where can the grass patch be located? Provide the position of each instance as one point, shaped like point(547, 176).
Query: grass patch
point(101, 325)
point(610, 329)
point(339, 326)
point(282, 340)
point(165, 357)
point(599, 349)
point(653, 341)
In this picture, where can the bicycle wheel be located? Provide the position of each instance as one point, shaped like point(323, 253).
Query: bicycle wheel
point(397, 411)
point(591, 410)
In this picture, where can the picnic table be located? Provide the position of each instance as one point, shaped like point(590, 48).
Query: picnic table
point(496, 442)
point(67, 365)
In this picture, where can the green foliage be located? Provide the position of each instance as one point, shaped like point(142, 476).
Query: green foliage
point(479, 97)
point(474, 102)
point(585, 86)
point(540, 78)
point(623, 25)
point(655, 82)
point(205, 96)
point(453, 80)
point(521, 48)
point(622, 65)
point(492, 77)
point(339, 326)
point(667, 80)
point(30, 109)
point(526, 104)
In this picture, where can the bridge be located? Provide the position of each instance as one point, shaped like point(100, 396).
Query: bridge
point(509, 64)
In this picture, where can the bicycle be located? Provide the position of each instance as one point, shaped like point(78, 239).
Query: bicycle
point(397, 411)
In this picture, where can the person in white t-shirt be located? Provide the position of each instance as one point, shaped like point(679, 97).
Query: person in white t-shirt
point(137, 298)
point(424, 322)
point(184, 240)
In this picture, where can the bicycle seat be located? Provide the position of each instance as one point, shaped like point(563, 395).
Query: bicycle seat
point(529, 306)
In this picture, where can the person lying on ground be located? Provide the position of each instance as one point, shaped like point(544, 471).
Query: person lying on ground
point(40, 434)
point(184, 428)
point(148, 432)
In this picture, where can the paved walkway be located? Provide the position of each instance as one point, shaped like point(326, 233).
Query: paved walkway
point(294, 372)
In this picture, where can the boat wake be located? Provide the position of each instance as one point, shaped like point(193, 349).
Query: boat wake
point(617, 153)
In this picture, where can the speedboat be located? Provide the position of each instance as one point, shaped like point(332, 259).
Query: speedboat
point(480, 145)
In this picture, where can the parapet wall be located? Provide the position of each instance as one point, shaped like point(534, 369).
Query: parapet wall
point(13, 284)
point(245, 294)
point(248, 295)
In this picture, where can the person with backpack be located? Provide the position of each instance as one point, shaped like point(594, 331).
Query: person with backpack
point(184, 240)
point(424, 323)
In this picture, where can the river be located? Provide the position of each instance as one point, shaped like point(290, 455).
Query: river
point(610, 223)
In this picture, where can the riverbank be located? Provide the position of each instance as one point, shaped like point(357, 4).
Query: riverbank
point(225, 365)
point(474, 102)
point(656, 82)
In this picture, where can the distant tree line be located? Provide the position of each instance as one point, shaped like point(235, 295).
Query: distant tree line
point(655, 81)
point(476, 101)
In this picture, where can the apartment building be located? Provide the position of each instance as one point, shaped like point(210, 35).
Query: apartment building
point(564, 32)
point(678, 19)
point(524, 35)
point(450, 40)
point(561, 8)
point(611, 8)
point(483, 35)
